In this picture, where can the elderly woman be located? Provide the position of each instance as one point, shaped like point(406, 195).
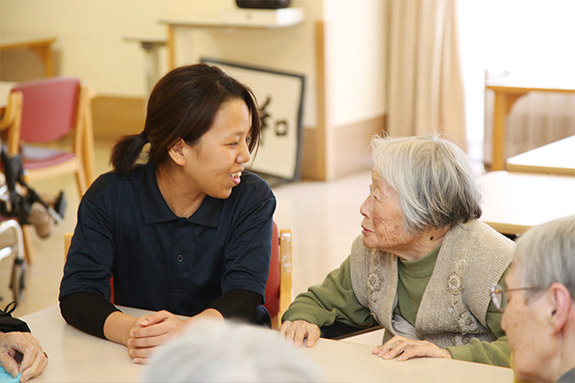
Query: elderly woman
point(539, 303)
point(423, 266)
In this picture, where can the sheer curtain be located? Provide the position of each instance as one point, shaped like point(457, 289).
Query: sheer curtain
point(502, 36)
point(425, 83)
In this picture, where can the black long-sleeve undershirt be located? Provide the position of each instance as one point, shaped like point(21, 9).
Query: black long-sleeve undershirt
point(88, 311)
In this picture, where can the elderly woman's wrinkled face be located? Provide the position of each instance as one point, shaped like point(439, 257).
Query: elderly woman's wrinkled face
point(524, 323)
point(383, 218)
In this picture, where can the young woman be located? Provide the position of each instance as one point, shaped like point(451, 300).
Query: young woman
point(186, 232)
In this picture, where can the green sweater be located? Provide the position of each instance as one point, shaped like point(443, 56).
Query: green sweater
point(334, 300)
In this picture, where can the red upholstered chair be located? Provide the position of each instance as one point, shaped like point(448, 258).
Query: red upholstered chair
point(279, 292)
point(279, 285)
point(52, 108)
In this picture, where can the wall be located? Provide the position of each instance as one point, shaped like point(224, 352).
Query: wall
point(357, 66)
point(90, 45)
point(359, 59)
point(89, 37)
point(288, 49)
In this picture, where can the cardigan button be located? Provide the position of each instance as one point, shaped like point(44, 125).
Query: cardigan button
point(180, 258)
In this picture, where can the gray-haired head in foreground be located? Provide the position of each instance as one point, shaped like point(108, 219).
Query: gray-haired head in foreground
point(215, 351)
point(436, 184)
point(545, 254)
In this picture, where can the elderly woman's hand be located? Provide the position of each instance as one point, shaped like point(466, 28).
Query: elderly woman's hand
point(299, 330)
point(401, 348)
point(34, 360)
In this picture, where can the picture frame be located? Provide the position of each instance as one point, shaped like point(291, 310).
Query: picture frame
point(280, 97)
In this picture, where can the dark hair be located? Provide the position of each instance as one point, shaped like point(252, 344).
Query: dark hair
point(183, 104)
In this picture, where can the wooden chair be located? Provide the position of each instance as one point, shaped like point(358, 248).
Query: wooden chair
point(11, 120)
point(67, 242)
point(279, 290)
point(51, 109)
point(46, 111)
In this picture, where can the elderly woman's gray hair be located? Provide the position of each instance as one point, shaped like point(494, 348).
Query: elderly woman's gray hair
point(227, 351)
point(436, 184)
point(545, 254)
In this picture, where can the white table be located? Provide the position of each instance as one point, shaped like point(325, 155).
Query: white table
point(349, 362)
point(514, 202)
point(75, 356)
point(507, 91)
point(79, 357)
point(555, 158)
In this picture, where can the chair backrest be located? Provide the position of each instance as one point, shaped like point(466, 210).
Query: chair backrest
point(49, 108)
point(67, 242)
point(279, 285)
point(274, 276)
point(12, 120)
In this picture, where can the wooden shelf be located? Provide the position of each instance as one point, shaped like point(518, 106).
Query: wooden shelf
point(244, 18)
point(42, 47)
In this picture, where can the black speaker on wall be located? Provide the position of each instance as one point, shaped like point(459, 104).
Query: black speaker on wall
point(263, 4)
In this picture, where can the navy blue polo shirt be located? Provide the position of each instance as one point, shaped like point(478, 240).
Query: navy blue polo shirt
point(161, 261)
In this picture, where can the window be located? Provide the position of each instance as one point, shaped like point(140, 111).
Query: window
point(511, 35)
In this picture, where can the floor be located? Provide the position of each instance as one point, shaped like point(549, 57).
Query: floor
point(324, 218)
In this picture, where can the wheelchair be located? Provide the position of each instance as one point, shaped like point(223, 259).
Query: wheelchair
point(16, 206)
point(12, 253)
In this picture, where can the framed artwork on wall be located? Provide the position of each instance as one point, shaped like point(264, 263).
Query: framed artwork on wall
point(280, 97)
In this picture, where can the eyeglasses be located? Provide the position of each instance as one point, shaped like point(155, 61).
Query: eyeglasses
point(499, 295)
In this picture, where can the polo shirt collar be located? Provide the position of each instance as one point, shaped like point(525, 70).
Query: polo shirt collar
point(155, 209)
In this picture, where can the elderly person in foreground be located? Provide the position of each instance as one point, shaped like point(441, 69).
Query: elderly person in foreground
point(21, 356)
point(539, 303)
point(226, 352)
point(423, 266)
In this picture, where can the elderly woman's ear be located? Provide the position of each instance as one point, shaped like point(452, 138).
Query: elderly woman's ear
point(560, 306)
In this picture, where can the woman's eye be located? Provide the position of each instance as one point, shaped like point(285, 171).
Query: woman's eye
point(373, 194)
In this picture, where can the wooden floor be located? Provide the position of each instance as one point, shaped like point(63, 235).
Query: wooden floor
point(324, 217)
